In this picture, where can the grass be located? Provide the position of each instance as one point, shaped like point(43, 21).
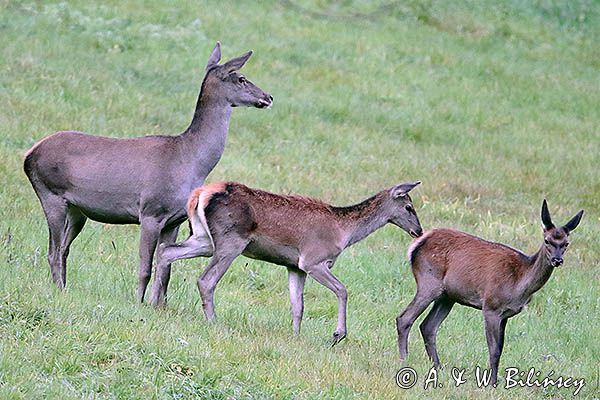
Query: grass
point(493, 105)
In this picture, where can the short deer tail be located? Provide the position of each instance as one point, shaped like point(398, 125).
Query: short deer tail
point(196, 205)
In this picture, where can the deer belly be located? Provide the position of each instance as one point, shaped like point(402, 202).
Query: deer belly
point(465, 294)
point(273, 252)
point(107, 208)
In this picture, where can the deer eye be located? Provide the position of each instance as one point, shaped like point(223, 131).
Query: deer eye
point(409, 208)
point(242, 79)
point(546, 241)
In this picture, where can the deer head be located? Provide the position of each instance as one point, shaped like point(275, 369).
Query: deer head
point(402, 212)
point(226, 82)
point(556, 240)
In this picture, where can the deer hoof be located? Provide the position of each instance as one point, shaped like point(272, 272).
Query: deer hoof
point(158, 301)
point(337, 337)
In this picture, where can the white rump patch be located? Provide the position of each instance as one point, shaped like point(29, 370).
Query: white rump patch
point(416, 243)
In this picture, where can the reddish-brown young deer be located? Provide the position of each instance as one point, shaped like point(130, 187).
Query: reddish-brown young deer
point(144, 180)
point(303, 234)
point(454, 267)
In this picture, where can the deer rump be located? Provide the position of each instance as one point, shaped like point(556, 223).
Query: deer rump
point(196, 206)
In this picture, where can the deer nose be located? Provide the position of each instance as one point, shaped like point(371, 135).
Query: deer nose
point(415, 233)
point(270, 98)
point(556, 261)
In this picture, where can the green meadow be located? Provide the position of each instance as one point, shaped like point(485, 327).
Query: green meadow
point(494, 105)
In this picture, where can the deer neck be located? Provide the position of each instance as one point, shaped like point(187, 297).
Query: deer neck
point(362, 219)
point(537, 274)
point(204, 140)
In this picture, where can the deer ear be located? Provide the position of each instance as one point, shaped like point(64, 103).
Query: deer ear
point(236, 63)
point(572, 224)
point(215, 57)
point(546, 220)
point(402, 189)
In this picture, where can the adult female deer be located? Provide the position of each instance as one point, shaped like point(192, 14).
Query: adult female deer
point(303, 234)
point(454, 267)
point(145, 180)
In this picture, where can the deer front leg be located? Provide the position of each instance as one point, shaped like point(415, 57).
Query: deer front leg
point(321, 273)
point(296, 279)
point(167, 237)
point(494, 333)
point(150, 232)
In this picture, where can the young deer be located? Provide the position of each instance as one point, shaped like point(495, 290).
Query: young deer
point(144, 180)
point(303, 234)
point(454, 267)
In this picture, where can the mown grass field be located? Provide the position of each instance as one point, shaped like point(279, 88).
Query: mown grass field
point(494, 105)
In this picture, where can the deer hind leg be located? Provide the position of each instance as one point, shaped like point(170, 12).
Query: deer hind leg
point(75, 221)
point(56, 218)
point(430, 325)
point(55, 210)
point(191, 247)
point(405, 320)
point(169, 253)
point(226, 250)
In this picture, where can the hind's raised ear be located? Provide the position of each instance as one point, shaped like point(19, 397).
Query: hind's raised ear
point(215, 57)
point(572, 224)
point(546, 219)
point(403, 189)
point(236, 63)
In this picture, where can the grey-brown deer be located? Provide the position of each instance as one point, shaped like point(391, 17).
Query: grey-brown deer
point(303, 234)
point(454, 267)
point(144, 180)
